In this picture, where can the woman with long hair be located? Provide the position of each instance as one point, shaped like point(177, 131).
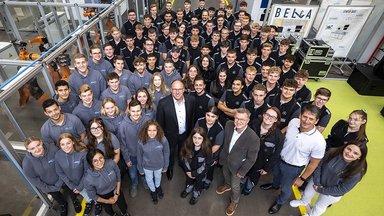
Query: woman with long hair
point(352, 129)
point(71, 166)
point(157, 88)
point(271, 144)
point(196, 155)
point(100, 138)
point(215, 133)
point(338, 173)
point(190, 76)
point(219, 85)
point(103, 182)
point(147, 105)
point(153, 157)
point(111, 115)
point(182, 29)
point(207, 71)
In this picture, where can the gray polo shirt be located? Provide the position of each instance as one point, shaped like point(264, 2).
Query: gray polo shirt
point(70, 104)
point(104, 67)
point(94, 79)
point(137, 81)
point(87, 113)
point(124, 77)
point(50, 132)
point(115, 144)
point(120, 97)
point(169, 78)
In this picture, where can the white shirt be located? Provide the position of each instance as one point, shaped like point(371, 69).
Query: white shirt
point(181, 115)
point(235, 136)
point(300, 147)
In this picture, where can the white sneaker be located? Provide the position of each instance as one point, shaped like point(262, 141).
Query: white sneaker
point(297, 203)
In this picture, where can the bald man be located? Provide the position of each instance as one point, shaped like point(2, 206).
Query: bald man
point(176, 115)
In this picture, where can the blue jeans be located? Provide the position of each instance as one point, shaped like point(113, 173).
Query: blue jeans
point(132, 171)
point(285, 174)
point(153, 178)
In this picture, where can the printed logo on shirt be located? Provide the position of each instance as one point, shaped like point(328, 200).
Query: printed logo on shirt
point(76, 162)
point(110, 173)
point(51, 161)
point(93, 82)
point(68, 128)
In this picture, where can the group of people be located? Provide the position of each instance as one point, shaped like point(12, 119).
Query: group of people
point(205, 89)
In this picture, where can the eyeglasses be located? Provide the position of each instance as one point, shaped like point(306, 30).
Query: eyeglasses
point(180, 89)
point(240, 119)
point(96, 128)
point(322, 99)
point(268, 116)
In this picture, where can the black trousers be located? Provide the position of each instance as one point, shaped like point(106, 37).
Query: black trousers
point(254, 175)
point(172, 149)
point(121, 203)
point(59, 196)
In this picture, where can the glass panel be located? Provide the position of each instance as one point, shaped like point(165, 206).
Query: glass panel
point(7, 51)
point(17, 198)
point(28, 113)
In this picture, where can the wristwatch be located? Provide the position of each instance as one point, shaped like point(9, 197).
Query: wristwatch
point(302, 178)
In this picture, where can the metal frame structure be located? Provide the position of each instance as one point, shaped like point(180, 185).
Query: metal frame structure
point(33, 68)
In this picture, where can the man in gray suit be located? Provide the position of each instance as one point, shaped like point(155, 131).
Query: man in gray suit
point(240, 148)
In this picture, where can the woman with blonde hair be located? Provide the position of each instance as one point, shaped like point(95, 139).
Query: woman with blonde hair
point(111, 115)
point(71, 166)
point(157, 88)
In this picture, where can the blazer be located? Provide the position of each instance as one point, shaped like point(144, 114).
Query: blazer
point(244, 152)
point(166, 116)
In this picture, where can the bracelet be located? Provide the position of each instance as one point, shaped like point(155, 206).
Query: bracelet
point(302, 178)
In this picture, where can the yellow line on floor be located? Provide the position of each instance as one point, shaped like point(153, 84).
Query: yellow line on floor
point(82, 208)
point(296, 193)
point(27, 211)
point(29, 208)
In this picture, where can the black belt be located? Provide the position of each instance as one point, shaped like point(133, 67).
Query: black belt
point(282, 161)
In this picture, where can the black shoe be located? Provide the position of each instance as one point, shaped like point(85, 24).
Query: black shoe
point(246, 191)
point(268, 187)
point(64, 210)
point(274, 208)
point(159, 192)
point(154, 197)
point(88, 208)
point(77, 206)
point(170, 173)
point(193, 200)
point(184, 194)
point(98, 209)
